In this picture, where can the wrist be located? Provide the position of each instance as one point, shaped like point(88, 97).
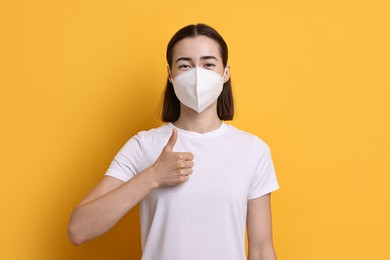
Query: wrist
point(150, 177)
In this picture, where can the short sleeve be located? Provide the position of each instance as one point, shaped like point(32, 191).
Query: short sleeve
point(265, 180)
point(125, 164)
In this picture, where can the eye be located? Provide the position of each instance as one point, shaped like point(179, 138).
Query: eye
point(184, 66)
point(209, 65)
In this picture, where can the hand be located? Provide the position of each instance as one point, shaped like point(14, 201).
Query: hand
point(173, 168)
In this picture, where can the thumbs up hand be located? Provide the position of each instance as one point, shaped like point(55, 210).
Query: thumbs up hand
point(171, 142)
point(173, 168)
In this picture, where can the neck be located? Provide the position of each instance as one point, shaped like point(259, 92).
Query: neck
point(203, 122)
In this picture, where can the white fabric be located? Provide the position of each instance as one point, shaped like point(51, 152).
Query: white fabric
point(198, 88)
point(204, 218)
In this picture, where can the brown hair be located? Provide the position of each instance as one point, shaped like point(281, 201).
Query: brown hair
point(171, 104)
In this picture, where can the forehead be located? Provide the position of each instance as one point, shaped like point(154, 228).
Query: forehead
point(196, 47)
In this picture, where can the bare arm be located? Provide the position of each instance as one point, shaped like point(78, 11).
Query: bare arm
point(111, 199)
point(108, 202)
point(259, 224)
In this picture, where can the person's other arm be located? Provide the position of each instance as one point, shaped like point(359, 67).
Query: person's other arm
point(259, 226)
point(111, 199)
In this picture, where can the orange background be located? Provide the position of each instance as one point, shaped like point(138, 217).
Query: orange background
point(311, 78)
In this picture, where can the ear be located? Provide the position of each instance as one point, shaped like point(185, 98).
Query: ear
point(169, 74)
point(226, 76)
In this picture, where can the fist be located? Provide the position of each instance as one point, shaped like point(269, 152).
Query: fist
point(173, 168)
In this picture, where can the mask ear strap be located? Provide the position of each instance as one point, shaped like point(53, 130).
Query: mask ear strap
point(170, 78)
point(224, 72)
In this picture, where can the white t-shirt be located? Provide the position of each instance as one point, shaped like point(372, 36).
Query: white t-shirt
point(205, 217)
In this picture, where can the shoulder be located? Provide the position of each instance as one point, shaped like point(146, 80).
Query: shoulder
point(248, 139)
point(152, 135)
point(145, 141)
point(153, 132)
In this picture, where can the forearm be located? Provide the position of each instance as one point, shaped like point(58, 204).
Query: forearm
point(97, 216)
point(259, 221)
point(112, 199)
point(265, 252)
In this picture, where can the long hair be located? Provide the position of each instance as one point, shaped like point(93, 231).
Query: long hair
point(171, 104)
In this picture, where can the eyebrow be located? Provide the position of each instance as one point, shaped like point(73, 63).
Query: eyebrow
point(202, 58)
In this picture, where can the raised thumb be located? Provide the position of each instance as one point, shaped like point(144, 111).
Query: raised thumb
point(172, 141)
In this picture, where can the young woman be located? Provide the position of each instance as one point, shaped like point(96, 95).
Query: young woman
point(200, 181)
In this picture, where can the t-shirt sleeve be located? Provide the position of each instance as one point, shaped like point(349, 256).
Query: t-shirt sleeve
point(265, 180)
point(125, 164)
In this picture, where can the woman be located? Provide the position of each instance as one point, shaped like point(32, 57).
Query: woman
point(199, 180)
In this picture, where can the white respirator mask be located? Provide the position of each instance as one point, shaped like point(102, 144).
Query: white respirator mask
point(198, 88)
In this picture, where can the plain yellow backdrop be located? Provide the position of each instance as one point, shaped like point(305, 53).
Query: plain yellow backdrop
point(311, 78)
